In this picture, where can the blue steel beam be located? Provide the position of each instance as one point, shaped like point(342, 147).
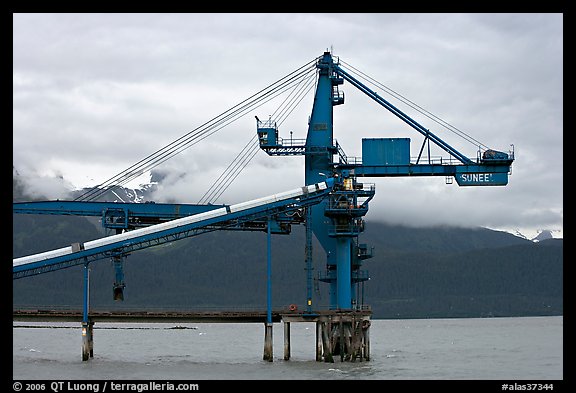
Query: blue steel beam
point(127, 215)
point(163, 211)
point(404, 117)
point(465, 175)
point(170, 231)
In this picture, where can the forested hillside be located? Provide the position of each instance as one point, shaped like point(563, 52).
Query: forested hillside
point(415, 272)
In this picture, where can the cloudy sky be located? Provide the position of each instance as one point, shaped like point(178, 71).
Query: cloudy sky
point(94, 94)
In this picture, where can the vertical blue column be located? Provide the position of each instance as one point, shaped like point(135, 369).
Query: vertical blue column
point(269, 273)
point(118, 262)
point(87, 326)
point(268, 341)
point(86, 302)
point(319, 160)
point(344, 273)
point(309, 260)
point(118, 287)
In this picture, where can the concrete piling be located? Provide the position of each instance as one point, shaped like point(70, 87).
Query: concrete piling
point(268, 352)
point(326, 342)
point(319, 344)
point(286, 340)
point(87, 340)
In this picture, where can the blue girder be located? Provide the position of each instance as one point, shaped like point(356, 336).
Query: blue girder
point(162, 211)
point(131, 215)
point(230, 217)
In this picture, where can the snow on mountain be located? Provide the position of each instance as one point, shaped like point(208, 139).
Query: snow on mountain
point(124, 194)
point(137, 190)
point(547, 234)
point(536, 235)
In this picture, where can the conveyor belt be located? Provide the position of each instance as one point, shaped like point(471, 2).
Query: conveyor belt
point(80, 253)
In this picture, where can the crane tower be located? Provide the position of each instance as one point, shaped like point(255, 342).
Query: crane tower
point(337, 221)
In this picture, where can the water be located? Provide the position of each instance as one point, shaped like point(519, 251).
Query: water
point(528, 348)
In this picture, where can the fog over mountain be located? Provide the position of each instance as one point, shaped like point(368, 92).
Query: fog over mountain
point(95, 93)
point(48, 188)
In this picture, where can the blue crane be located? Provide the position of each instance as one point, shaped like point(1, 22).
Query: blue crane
point(333, 214)
point(337, 220)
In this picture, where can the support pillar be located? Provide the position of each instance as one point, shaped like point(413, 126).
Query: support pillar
point(309, 261)
point(341, 346)
point(327, 347)
point(268, 342)
point(119, 285)
point(318, 341)
point(268, 354)
point(366, 330)
point(87, 325)
point(87, 340)
point(357, 338)
point(286, 340)
point(343, 273)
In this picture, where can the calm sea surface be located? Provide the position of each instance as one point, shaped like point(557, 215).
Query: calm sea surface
point(528, 348)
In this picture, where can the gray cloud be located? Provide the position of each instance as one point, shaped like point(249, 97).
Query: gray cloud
point(95, 93)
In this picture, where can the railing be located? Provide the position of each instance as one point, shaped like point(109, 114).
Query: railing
point(267, 124)
point(361, 275)
point(365, 186)
point(290, 142)
point(341, 154)
point(435, 160)
point(349, 229)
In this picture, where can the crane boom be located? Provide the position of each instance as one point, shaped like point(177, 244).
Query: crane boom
point(381, 157)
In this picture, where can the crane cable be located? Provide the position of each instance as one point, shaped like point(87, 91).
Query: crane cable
point(247, 153)
point(237, 165)
point(152, 161)
point(198, 134)
point(418, 108)
point(212, 194)
point(232, 172)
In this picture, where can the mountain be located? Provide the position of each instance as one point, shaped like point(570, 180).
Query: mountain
point(415, 272)
point(138, 194)
point(119, 194)
point(538, 235)
point(544, 235)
